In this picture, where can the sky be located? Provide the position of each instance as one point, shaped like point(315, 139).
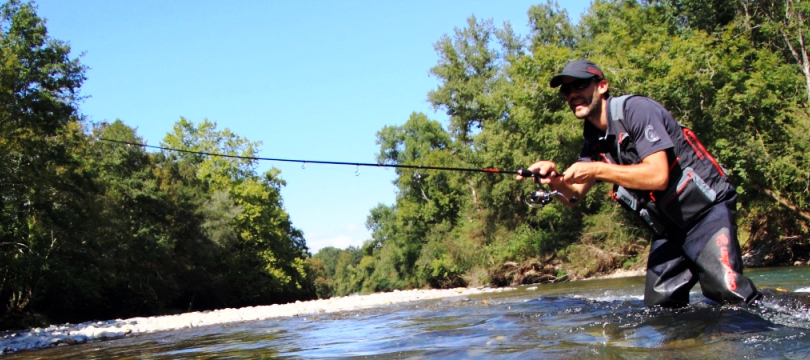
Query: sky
point(310, 80)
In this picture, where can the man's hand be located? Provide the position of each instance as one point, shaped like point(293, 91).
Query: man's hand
point(581, 173)
point(546, 169)
point(651, 174)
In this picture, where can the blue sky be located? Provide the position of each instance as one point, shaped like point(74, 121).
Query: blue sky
point(311, 80)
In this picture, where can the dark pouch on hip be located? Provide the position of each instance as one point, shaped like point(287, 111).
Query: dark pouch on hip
point(684, 202)
point(637, 205)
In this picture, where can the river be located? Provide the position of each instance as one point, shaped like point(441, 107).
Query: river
point(603, 319)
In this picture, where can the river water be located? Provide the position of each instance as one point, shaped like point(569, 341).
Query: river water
point(603, 319)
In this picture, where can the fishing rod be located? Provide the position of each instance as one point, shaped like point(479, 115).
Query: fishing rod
point(536, 198)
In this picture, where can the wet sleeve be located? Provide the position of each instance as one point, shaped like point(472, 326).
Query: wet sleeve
point(645, 122)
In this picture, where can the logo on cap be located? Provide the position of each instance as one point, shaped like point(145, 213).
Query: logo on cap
point(594, 71)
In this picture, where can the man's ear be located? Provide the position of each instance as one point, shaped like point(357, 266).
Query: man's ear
point(602, 87)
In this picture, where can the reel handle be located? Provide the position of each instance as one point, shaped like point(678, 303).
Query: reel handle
point(544, 197)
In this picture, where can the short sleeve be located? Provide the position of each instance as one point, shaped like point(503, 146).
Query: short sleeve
point(646, 121)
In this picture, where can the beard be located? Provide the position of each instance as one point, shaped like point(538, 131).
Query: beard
point(592, 106)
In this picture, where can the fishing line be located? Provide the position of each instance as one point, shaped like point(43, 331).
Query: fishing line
point(521, 172)
point(537, 197)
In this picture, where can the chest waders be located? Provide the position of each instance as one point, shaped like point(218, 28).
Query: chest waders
point(693, 221)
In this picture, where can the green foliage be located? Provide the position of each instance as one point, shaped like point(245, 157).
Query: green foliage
point(265, 249)
point(438, 268)
point(705, 15)
point(551, 26)
point(468, 67)
point(732, 71)
point(341, 278)
point(320, 277)
point(41, 179)
point(91, 229)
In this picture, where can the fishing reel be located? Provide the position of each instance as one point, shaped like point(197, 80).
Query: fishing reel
point(539, 198)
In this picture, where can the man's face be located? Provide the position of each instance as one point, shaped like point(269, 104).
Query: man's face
point(581, 95)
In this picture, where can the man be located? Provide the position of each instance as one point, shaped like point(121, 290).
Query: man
point(661, 172)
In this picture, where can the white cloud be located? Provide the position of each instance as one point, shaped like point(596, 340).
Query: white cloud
point(349, 235)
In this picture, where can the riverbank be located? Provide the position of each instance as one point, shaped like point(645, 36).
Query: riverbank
point(69, 334)
point(620, 273)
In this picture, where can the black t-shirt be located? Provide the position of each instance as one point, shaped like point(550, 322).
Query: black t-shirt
point(696, 180)
point(648, 123)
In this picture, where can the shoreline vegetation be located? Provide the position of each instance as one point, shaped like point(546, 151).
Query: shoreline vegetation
point(95, 229)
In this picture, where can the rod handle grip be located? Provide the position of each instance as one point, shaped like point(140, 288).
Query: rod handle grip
point(529, 173)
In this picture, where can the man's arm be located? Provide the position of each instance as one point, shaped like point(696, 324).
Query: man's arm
point(651, 174)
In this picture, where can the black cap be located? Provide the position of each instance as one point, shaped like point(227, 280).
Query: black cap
point(580, 69)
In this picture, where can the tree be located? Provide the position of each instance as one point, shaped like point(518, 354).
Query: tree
point(268, 252)
point(550, 26)
point(782, 26)
point(39, 176)
point(468, 68)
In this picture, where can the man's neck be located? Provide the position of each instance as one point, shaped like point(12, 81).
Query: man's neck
point(599, 118)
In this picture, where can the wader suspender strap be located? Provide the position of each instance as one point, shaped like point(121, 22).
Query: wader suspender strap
point(617, 108)
point(616, 114)
point(616, 117)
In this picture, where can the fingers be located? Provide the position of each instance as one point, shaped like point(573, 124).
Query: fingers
point(543, 170)
point(578, 173)
point(543, 167)
point(567, 176)
point(547, 178)
point(546, 170)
